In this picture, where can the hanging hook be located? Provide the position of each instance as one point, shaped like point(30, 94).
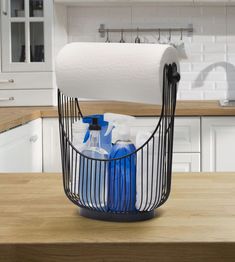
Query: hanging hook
point(181, 34)
point(122, 39)
point(137, 39)
point(169, 38)
point(107, 39)
point(159, 35)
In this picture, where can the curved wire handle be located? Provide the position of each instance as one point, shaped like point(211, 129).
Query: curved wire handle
point(153, 160)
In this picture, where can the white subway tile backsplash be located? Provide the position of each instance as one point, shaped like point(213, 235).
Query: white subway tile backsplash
point(231, 58)
point(214, 58)
point(185, 67)
point(214, 48)
point(194, 58)
point(221, 85)
point(214, 95)
point(208, 64)
point(183, 85)
point(231, 48)
point(198, 67)
point(213, 76)
point(191, 95)
point(203, 85)
point(199, 38)
point(192, 76)
point(194, 47)
point(221, 38)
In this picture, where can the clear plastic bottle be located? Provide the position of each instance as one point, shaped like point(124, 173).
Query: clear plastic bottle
point(93, 173)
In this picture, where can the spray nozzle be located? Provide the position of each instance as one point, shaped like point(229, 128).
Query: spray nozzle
point(94, 124)
point(119, 122)
point(101, 122)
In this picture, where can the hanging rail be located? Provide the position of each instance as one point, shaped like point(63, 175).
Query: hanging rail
point(102, 30)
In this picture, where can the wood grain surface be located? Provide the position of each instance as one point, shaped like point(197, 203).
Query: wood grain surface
point(38, 223)
point(13, 116)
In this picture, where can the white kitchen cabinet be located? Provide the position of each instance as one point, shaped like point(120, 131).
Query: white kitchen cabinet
point(21, 148)
point(218, 144)
point(51, 145)
point(27, 35)
point(186, 132)
point(27, 77)
point(186, 162)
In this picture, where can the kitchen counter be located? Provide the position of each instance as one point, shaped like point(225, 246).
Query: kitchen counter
point(11, 117)
point(38, 223)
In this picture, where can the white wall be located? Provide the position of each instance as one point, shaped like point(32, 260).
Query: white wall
point(209, 70)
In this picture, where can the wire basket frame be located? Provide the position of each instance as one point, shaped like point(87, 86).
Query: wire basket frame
point(107, 188)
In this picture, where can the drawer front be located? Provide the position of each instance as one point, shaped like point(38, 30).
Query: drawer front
point(27, 97)
point(186, 162)
point(36, 80)
point(186, 132)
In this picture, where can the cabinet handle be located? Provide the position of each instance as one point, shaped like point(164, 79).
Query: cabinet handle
point(33, 139)
point(5, 81)
point(4, 7)
point(7, 98)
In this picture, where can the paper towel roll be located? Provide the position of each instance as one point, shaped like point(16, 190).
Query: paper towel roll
point(114, 71)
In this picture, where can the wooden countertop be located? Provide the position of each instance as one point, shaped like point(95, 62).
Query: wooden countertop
point(38, 223)
point(13, 116)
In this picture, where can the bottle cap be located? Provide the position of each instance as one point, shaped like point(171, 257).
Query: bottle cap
point(94, 124)
point(124, 134)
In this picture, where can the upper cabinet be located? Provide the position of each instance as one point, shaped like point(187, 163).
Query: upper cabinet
point(27, 35)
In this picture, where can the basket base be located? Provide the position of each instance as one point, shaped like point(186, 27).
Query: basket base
point(116, 217)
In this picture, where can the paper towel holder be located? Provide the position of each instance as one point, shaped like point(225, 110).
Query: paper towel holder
point(158, 169)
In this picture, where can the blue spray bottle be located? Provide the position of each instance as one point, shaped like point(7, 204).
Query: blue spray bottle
point(122, 173)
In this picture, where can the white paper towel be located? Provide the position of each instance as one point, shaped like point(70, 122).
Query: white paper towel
point(114, 71)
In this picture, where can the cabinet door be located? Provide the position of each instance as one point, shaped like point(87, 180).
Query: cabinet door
point(21, 148)
point(186, 132)
point(186, 162)
point(218, 144)
point(27, 35)
point(51, 145)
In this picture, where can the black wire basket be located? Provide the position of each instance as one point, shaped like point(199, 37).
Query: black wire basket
point(142, 177)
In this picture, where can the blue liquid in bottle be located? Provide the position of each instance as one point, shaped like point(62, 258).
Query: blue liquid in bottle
point(122, 178)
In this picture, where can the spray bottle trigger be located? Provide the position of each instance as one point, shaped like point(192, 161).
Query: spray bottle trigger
point(109, 129)
point(86, 137)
